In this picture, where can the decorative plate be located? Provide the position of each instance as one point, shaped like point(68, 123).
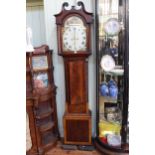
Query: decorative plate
point(107, 63)
point(114, 140)
point(112, 27)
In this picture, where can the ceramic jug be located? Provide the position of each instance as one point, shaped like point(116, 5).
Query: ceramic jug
point(111, 82)
point(104, 89)
point(113, 91)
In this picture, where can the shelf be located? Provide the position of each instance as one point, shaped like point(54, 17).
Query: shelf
point(42, 70)
point(44, 91)
point(113, 74)
point(44, 114)
point(114, 122)
point(111, 122)
point(109, 99)
point(117, 71)
point(50, 144)
point(49, 140)
point(47, 127)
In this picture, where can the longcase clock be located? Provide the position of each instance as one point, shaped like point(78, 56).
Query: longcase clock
point(74, 45)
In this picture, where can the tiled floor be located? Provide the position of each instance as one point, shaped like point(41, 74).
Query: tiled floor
point(59, 151)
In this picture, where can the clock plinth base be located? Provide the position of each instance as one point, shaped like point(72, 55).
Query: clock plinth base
point(77, 129)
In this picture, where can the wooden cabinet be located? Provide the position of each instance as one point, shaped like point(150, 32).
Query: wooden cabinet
point(40, 85)
point(112, 68)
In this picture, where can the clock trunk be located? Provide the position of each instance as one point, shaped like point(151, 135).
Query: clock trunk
point(76, 75)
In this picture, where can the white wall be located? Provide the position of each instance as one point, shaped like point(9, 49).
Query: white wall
point(51, 8)
point(35, 19)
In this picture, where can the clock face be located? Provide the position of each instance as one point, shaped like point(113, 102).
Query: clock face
point(74, 35)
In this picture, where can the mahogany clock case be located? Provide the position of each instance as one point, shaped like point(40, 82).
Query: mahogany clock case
point(77, 118)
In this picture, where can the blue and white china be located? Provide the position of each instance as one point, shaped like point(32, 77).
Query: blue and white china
point(113, 91)
point(104, 89)
point(111, 82)
point(114, 52)
point(112, 27)
point(107, 63)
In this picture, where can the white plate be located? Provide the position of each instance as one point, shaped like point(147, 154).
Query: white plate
point(114, 140)
point(112, 27)
point(107, 63)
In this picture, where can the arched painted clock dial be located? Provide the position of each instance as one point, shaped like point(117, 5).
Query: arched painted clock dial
point(74, 35)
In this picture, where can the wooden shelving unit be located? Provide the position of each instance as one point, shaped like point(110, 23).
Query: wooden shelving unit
point(41, 85)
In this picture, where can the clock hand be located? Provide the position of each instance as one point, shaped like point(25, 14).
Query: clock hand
point(75, 40)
